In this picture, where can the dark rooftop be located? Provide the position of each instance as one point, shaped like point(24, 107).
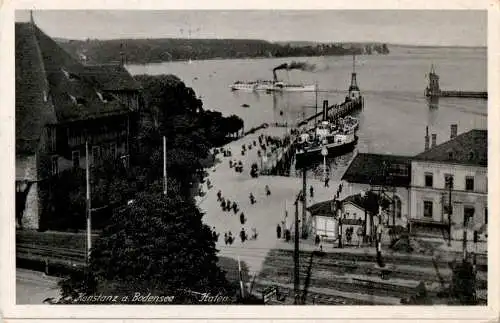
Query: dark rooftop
point(470, 148)
point(52, 87)
point(111, 77)
point(369, 169)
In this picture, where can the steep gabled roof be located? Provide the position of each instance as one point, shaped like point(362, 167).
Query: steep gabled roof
point(51, 87)
point(33, 111)
point(367, 169)
point(68, 83)
point(111, 77)
point(470, 148)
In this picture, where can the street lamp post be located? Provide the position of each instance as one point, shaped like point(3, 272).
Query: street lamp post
point(324, 153)
point(364, 197)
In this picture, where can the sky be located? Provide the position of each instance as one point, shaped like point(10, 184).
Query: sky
point(411, 27)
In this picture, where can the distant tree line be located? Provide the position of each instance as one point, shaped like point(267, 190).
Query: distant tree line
point(144, 51)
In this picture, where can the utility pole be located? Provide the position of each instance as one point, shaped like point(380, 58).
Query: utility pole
point(165, 165)
point(450, 210)
point(316, 114)
point(304, 203)
point(89, 209)
point(296, 278)
point(240, 276)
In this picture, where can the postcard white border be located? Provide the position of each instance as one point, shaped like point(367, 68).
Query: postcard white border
point(308, 313)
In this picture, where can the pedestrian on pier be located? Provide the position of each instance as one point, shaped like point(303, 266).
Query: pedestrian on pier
point(230, 238)
point(278, 231)
point(311, 191)
point(254, 143)
point(235, 207)
point(287, 235)
point(230, 163)
point(317, 240)
point(254, 234)
point(252, 199)
point(327, 180)
point(228, 206)
point(219, 196)
point(215, 235)
point(242, 218)
point(359, 234)
point(268, 191)
point(226, 238)
point(223, 204)
point(243, 235)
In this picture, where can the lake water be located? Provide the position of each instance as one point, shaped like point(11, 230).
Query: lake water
point(396, 112)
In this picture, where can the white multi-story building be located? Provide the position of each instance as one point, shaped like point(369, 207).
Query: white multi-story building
point(456, 168)
point(419, 185)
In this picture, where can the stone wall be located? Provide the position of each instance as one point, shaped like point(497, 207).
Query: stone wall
point(26, 170)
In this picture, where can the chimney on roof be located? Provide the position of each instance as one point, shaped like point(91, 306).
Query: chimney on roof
point(434, 137)
point(426, 138)
point(454, 131)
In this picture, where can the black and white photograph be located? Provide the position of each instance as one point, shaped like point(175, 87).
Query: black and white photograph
point(261, 157)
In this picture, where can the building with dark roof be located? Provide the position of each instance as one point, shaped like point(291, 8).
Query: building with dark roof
point(60, 105)
point(388, 175)
point(419, 184)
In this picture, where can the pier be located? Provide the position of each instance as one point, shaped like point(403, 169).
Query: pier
point(433, 90)
point(335, 111)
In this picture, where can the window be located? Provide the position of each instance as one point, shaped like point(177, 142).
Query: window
point(428, 180)
point(125, 160)
point(51, 134)
point(468, 213)
point(428, 209)
point(75, 157)
point(112, 150)
point(81, 101)
point(55, 165)
point(469, 183)
point(95, 155)
point(397, 206)
point(448, 181)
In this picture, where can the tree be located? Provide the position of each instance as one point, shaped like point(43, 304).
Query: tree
point(157, 244)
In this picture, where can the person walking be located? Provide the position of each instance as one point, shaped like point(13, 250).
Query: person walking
point(219, 196)
point(278, 231)
point(242, 218)
point(327, 180)
point(230, 238)
point(252, 198)
point(254, 234)
point(359, 234)
point(225, 238)
point(243, 235)
point(311, 192)
point(268, 191)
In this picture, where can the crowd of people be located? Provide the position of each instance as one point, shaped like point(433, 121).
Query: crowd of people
point(231, 208)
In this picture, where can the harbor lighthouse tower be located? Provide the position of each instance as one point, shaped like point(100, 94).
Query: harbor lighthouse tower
point(354, 92)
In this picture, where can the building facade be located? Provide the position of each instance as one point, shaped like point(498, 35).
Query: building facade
point(60, 106)
point(421, 185)
point(457, 169)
